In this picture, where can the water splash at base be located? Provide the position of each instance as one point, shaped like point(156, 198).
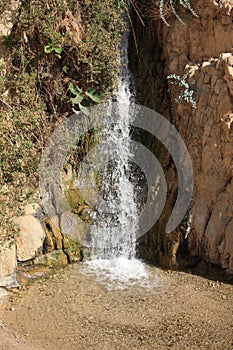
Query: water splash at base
point(122, 273)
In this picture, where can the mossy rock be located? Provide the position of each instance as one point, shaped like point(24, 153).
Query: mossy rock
point(74, 198)
point(73, 250)
point(55, 260)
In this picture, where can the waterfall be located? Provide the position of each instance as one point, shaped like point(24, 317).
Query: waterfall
point(113, 235)
point(114, 232)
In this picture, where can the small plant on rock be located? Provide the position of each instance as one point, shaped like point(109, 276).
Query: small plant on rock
point(187, 92)
point(82, 100)
point(161, 9)
point(54, 45)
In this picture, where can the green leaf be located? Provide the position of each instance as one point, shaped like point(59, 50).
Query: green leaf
point(77, 99)
point(48, 49)
point(58, 49)
point(56, 35)
point(65, 69)
point(94, 95)
point(75, 90)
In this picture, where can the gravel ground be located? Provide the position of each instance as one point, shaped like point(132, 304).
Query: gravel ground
point(74, 311)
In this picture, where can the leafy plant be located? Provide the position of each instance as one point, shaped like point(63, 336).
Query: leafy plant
point(54, 45)
point(84, 100)
point(187, 92)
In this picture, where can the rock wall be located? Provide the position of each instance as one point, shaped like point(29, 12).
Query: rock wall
point(151, 91)
point(204, 45)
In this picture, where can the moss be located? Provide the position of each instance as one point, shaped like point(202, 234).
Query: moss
point(56, 259)
point(73, 250)
point(74, 198)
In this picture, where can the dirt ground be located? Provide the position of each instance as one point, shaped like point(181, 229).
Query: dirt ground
point(73, 311)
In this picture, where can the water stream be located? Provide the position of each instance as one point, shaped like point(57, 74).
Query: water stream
point(114, 232)
point(113, 237)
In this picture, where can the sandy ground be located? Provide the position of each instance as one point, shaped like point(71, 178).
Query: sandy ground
point(74, 311)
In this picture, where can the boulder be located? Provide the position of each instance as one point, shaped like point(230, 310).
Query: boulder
point(31, 237)
point(55, 259)
point(9, 281)
point(7, 259)
point(34, 209)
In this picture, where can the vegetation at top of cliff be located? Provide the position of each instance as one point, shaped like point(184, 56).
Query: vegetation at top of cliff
point(53, 45)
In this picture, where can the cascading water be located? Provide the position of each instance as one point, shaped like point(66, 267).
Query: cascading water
point(114, 233)
point(113, 237)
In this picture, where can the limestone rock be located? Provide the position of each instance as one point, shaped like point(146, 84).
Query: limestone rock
point(48, 245)
point(207, 130)
point(7, 259)
point(34, 209)
point(205, 43)
point(31, 237)
point(3, 292)
point(73, 227)
point(9, 281)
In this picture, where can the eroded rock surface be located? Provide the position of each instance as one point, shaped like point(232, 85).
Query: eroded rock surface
point(205, 43)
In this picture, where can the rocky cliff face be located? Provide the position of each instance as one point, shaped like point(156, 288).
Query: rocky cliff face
point(204, 45)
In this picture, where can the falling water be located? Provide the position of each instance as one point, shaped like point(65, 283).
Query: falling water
point(113, 235)
point(114, 232)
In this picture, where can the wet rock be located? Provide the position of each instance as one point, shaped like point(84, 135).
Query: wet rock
point(29, 243)
point(55, 259)
point(73, 227)
point(72, 249)
point(26, 274)
point(53, 240)
point(228, 245)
